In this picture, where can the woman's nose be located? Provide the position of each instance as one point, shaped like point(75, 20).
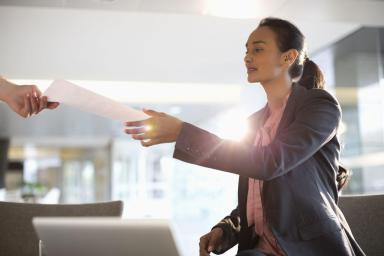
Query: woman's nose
point(247, 58)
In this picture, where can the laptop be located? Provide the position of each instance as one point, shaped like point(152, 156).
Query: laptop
point(104, 236)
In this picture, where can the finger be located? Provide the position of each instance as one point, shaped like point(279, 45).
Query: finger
point(203, 244)
point(153, 113)
point(35, 91)
point(203, 251)
point(151, 142)
point(52, 105)
point(210, 248)
point(213, 243)
point(136, 123)
point(34, 102)
point(43, 104)
point(27, 108)
point(138, 130)
point(142, 136)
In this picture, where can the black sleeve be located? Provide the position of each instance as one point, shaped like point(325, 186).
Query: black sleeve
point(231, 228)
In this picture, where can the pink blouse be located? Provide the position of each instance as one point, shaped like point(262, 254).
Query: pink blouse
point(267, 241)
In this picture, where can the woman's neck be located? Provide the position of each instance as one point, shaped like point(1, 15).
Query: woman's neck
point(276, 91)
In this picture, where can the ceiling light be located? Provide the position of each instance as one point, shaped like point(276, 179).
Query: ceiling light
point(242, 9)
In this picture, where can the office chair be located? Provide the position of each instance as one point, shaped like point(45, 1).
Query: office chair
point(17, 235)
point(365, 215)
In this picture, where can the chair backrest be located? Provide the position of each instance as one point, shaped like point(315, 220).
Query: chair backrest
point(17, 235)
point(365, 216)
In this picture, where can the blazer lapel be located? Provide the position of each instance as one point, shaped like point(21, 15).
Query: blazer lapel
point(289, 110)
point(256, 121)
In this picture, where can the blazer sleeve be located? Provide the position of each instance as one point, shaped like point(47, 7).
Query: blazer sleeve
point(231, 228)
point(315, 124)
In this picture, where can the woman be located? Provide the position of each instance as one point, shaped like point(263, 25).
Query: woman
point(288, 166)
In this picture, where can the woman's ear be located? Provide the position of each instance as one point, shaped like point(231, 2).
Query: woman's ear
point(290, 56)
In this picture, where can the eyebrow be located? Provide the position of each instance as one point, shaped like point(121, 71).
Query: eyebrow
point(256, 42)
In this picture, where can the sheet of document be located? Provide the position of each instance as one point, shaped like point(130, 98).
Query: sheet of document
point(73, 95)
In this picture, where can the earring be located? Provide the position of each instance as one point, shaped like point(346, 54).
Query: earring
point(288, 58)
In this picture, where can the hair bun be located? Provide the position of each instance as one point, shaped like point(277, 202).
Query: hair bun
point(306, 59)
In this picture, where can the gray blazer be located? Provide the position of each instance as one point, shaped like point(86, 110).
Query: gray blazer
point(298, 168)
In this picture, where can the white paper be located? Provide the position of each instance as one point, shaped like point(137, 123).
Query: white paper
point(73, 95)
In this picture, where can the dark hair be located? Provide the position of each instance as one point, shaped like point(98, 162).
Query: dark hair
point(342, 177)
point(288, 36)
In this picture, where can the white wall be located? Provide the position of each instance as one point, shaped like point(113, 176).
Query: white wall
point(45, 43)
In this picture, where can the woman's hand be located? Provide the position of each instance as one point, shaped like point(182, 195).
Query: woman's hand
point(210, 241)
point(159, 128)
point(24, 100)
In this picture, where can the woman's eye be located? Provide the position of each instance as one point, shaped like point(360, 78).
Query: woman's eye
point(256, 50)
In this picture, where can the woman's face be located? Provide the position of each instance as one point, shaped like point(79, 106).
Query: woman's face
point(263, 59)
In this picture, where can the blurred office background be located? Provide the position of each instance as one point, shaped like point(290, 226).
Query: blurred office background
point(183, 57)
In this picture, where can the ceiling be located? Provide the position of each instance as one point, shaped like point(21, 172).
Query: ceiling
point(176, 41)
point(159, 40)
point(366, 12)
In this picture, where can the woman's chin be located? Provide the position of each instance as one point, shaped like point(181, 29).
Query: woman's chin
point(252, 79)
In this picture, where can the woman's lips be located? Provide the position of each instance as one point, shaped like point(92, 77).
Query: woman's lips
point(249, 70)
